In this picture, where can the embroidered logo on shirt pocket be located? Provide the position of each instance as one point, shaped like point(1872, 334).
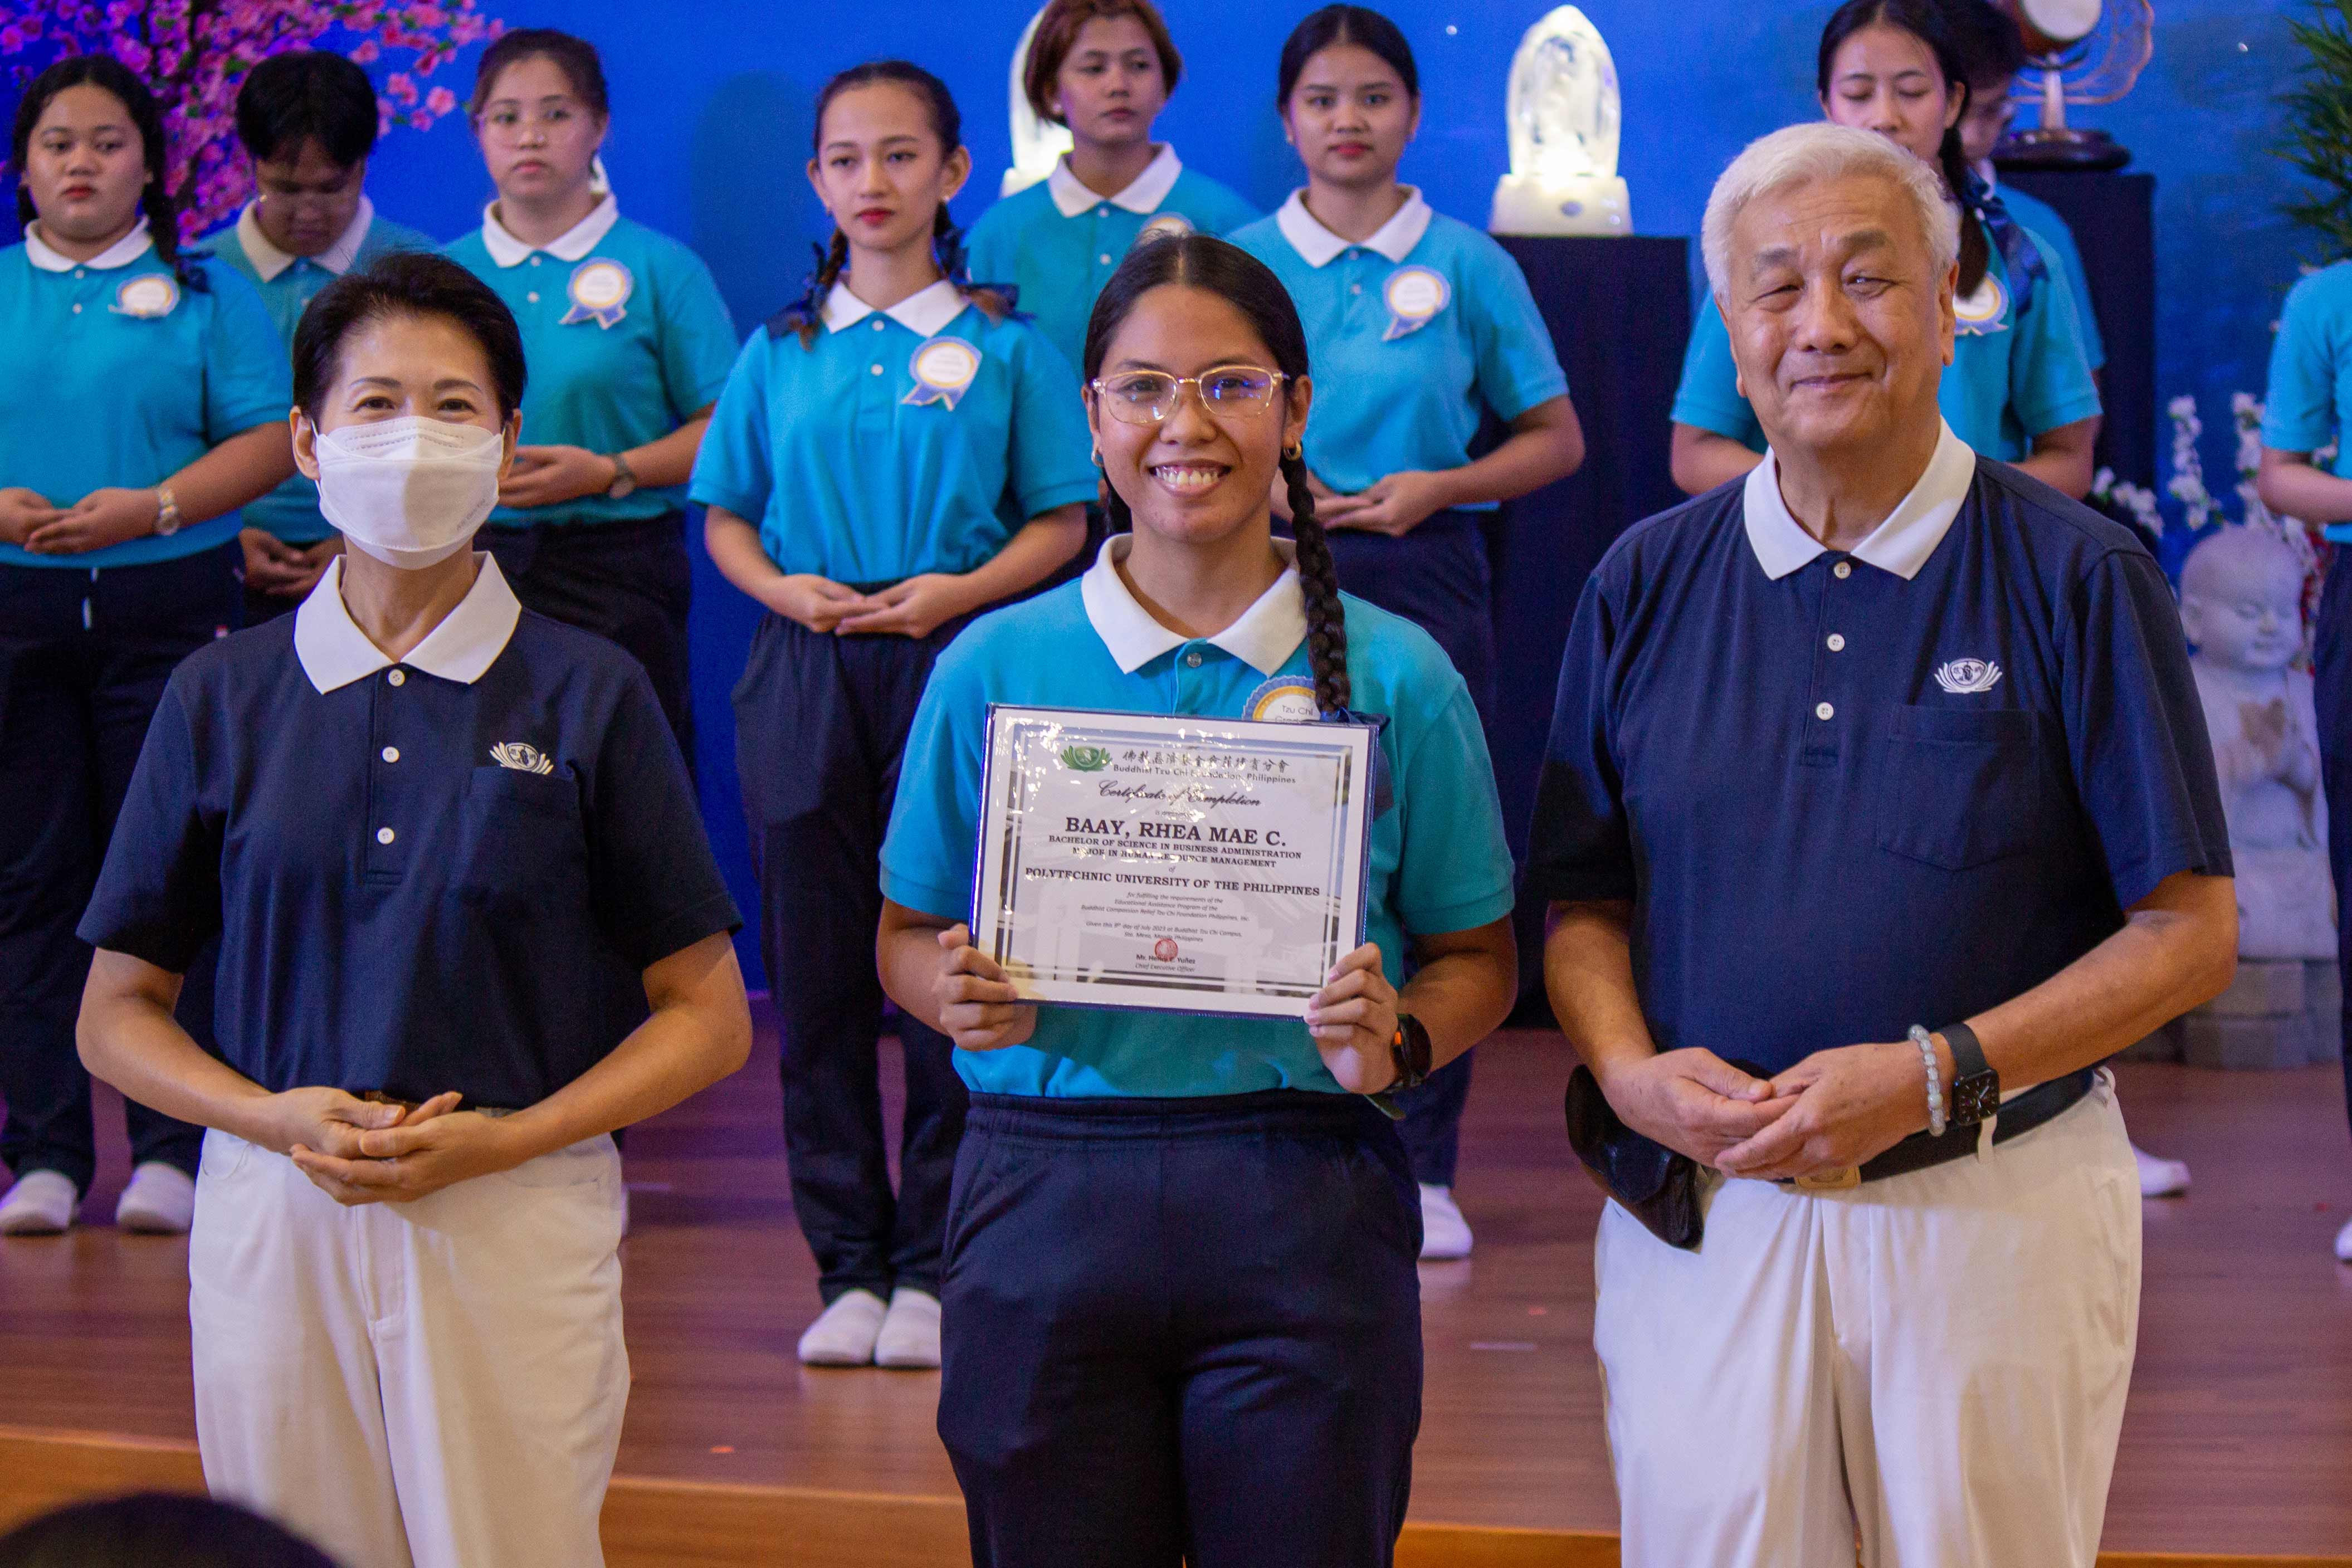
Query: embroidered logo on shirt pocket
point(521, 757)
point(1962, 788)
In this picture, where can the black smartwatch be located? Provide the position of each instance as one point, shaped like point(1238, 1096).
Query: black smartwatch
point(1976, 1087)
point(1412, 1047)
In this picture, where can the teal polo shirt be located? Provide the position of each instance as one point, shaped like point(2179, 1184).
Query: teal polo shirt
point(1059, 242)
point(2310, 389)
point(114, 372)
point(287, 285)
point(2056, 238)
point(853, 469)
point(1408, 334)
point(626, 339)
point(2015, 374)
point(1438, 864)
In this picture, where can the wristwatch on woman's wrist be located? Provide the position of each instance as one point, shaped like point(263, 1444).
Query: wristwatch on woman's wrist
point(1411, 1049)
point(625, 479)
point(167, 512)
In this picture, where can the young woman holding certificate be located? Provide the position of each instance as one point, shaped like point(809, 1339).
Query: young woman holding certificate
point(1182, 1318)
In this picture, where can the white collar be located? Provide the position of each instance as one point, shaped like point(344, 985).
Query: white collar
point(1901, 544)
point(1394, 240)
point(574, 244)
point(1263, 637)
point(268, 261)
point(924, 313)
point(122, 252)
point(335, 653)
point(1143, 194)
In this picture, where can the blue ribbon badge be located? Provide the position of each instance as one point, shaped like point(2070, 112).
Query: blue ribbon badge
point(148, 296)
point(1415, 295)
point(599, 289)
point(1984, 311)
point(943, 370)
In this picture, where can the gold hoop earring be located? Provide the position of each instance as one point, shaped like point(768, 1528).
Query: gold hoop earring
point(1294, 453)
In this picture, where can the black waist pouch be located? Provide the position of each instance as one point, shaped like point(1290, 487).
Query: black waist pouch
point(1650, 1181)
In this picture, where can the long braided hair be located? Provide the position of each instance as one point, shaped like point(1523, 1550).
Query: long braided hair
point(1249, 286)
point(805, 315)
point(110, 75)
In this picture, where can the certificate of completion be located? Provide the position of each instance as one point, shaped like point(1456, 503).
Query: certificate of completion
point(1177, 863)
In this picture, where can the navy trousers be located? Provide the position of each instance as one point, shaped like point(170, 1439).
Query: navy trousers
point(84, 656)
point(821, 723)
point(2331, 671)
point(630, 583)
point(1183, 1331)
point(1438, 578)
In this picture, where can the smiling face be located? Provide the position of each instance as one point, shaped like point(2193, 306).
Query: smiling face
point(308, 200)
point(2241, 601)
point(1887, 79)
point(403, 366)
point(879, 168)
point(1350, 117)
point(1839, 325)
point(1110, 87)
point(539, 137)
point(1196, 476)
point(86, 166)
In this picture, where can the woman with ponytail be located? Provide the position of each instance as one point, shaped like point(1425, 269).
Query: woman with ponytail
point(144, 398)
point(2019, 385)
point(629, 343)
point(1183, 1315)
point(866, 473)
point(1423, 327)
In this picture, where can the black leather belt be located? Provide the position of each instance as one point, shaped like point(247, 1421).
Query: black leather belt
point(2043, 1103)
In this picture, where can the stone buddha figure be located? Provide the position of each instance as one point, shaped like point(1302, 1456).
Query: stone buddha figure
point(2241, 606)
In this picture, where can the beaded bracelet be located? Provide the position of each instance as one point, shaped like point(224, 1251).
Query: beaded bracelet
point(1927, 1044)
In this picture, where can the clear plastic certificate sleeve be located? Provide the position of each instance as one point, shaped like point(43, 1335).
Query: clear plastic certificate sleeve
point(1181, 863)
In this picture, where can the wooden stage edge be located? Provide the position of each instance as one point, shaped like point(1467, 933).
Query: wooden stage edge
point(651, 1522)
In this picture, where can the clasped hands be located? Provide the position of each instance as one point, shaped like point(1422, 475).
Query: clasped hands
point(1352, 1019)
point(914, 608)
point(102, 517)
point(356, 1151)
point(1836, 1108)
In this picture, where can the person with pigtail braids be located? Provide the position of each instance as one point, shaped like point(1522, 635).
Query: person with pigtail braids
point(1183, 1316)
point(1423, 327)
point(891, 454)
point(144, 398)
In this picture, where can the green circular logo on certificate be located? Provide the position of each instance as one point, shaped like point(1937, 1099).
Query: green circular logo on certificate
point(1085, 759)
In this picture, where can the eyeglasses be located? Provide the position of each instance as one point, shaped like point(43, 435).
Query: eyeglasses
point(1148, 397)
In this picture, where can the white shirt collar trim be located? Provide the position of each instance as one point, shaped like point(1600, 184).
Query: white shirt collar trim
point(1901, 544)
point(268, 261)
point(122, 252)
point(1263, 637)
point(335, 653)
point(1143, 194)
point(574, 244)
point(1394, 239)
point(926, 312)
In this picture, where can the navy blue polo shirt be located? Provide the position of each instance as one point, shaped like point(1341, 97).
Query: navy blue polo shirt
point(427, 875)
point(1847, 793)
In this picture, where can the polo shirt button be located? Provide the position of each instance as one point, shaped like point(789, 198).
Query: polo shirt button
point(77, 309)
point(1192, 659)
point(1355, 288)
point(532, 297)
point(397, 678)
point(874, 369)
point(1837, 643)
point(392, 753)
point(878, 323)
point(1104, 258)
point(534, 261)
point(81, 272)
point(1842, 568)
point(1825, 711)
point(383, 835)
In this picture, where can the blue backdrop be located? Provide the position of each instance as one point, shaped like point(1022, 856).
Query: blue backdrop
point(712, 129)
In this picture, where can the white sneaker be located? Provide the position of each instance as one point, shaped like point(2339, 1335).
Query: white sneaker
point(911, 1332)
point(160, 1201)
point(2160, 1179)
point(2344, 1243)
point(843, 1334)
point(1444, 1234)
point(42, 1203)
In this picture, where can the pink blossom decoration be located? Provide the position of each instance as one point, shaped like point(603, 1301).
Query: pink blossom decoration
point(194, 55)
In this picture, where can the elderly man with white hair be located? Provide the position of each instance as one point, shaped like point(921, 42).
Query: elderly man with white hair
point(1878, 812)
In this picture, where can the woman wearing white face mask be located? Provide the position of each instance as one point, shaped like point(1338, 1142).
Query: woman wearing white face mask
point(428, 827)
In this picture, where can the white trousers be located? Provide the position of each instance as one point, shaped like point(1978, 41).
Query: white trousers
point(431, 1385)
point(1936, 1362)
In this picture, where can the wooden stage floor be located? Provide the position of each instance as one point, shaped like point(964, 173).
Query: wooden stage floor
point(2238, 1441)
